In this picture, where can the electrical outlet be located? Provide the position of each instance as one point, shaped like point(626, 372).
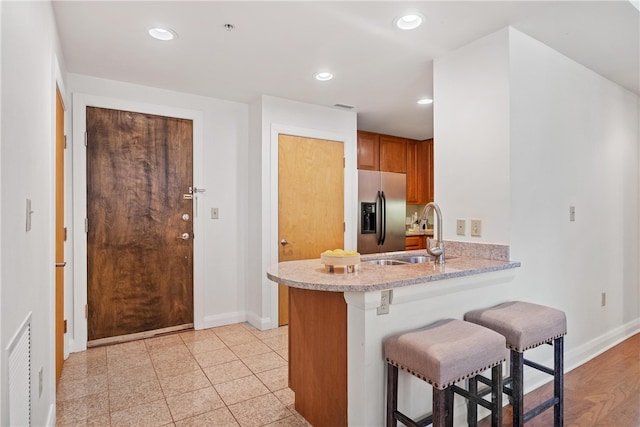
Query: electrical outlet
point(572, 213)
point(603, 299)
point(385, 301)
point(214, 213)
point(476, 228)
point(461, 224)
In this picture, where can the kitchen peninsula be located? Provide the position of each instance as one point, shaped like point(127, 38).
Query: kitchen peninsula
point(336, 326)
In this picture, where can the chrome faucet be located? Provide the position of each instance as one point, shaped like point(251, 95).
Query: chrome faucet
point(438, 250)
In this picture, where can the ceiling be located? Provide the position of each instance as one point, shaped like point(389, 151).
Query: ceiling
point(277, 47)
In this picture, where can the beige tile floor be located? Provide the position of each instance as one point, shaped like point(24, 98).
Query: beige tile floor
point(232, 375)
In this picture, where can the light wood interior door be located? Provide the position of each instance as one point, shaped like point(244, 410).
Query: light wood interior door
point(310, 202)
point(60, 236)
point(140, 222)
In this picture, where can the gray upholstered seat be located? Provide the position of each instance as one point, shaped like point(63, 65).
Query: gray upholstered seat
point(524, 325)
point(446, 352)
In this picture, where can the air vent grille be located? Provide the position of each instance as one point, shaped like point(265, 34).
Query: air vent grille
point(348, 107)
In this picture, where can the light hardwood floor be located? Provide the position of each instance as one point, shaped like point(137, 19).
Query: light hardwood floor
point(604, 392)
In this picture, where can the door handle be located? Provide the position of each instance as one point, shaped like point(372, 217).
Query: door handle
point(184, 236)
point(61, 264)
point(285, 242)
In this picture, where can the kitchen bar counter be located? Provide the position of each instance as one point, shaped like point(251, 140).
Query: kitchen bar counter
point(312, 274)
point(337, 325)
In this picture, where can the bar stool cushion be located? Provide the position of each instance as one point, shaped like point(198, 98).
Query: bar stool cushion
point(446, 352)
point(523, 324)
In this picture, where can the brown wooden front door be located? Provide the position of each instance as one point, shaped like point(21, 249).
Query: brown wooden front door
point(140, 229)
point(310, 202)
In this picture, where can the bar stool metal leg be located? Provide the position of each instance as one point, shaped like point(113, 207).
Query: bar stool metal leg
point(392, 394)
point(472, 406)
point(558, 381)
point(517, 369)
point(449, 405)
point(440, 407)
point(496, 396)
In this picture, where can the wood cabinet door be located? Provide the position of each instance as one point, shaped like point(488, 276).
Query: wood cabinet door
point(368, 151)
point(412, 243)
point(413, 167)
point(139, 209)
point(393, 154)
point(426, 180)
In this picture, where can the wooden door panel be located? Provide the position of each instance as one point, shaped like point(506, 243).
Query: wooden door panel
point(140, 273)
point(310, 200)
point(60, 262)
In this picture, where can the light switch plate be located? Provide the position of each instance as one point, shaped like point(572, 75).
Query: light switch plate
point(476, 228)
point(214, 213)
point(572, 213)
point(461, 224)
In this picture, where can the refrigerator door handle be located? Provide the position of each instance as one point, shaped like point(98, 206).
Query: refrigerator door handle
point(379, 219)
point(384, 218)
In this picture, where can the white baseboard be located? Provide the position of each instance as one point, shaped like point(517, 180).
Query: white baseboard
point(51, 416)
point(261, 323)
point(224, 319)
point(599, 345)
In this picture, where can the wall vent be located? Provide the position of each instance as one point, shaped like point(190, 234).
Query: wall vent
point(348, 107)
point(20, 376)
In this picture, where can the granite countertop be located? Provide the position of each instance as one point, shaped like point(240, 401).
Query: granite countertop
point(419, 232)
point(312, 274)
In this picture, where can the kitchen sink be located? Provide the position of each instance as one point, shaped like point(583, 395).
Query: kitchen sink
point(413, 259)
point(417, 259)
point(386, 262)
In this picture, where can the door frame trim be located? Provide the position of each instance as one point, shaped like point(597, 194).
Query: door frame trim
point(270, 235)
point(78, 328)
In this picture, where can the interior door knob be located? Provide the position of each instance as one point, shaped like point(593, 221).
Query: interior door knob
point(184, 236)
point(284, 242)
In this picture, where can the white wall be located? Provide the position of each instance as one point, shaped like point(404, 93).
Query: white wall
point(220, 164)
point(29, 51)
point(275, 116)
point(471, 139)
point(574, 142)
point(545, 133)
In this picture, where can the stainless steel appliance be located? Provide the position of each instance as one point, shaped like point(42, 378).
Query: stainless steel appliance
point(382, 206)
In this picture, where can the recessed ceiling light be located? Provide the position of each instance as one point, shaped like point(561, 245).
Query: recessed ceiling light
point(324, 76)
point(410, 21)
point(160, 33)
point(425, 101)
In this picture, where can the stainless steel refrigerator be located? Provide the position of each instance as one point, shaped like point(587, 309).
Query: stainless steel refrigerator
point(382, 208)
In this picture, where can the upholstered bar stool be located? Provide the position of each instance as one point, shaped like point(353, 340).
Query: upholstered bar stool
point(525, 326)
point(442, 354)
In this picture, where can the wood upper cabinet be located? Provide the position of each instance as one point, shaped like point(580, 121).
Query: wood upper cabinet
point(419, 171)
point(382, 152)
point(368, 151)
point(413, 166)
point(393, 154)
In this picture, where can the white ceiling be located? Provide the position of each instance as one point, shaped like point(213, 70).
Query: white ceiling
point(276, 47)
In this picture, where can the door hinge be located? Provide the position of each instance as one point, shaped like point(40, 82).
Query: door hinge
point(65, 326)
point(86, 225)
point(65, 234)
point(344, 162)
point(86, 311)
point(344, 226)
point(86, 137)
point(65, 142)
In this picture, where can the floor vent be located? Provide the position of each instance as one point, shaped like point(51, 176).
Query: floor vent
point(20, 376)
